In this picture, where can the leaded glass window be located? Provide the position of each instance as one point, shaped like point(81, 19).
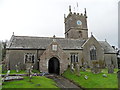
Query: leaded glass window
point(93, 55)
point(74, 57)
point(29, 57)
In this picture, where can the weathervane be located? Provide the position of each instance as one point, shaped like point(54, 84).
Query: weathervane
point(77, 6)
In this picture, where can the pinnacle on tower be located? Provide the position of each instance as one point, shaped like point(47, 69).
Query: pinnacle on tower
point(91, 34)
point(64, 16)
point(69, 8)
point(13, 33)
point(85, 13)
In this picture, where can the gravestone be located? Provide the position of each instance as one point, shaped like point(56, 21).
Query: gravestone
point(83, 69)
point(30, 77)
point(118, 76)
point(86, 77)
point(19, 64)
point(16, 66)
point(110, 68)
point(72, 68)
point(85, 65)
point(95, 69)
point(6, 75)
point(104, 75)
point(38, 85)
point(29, 67)
point(77, 69)
point(10, 78)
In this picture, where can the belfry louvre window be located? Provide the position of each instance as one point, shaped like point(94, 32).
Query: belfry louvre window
point(29, 57)
point(74, 57)
point(93, 55)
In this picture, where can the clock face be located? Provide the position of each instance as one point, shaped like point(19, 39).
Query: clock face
point(79, 22)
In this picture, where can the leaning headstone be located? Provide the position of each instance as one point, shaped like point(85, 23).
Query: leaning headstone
point(83, 69)
point(86, 77)
point(118, 76)
point(110, 68)
point(8, 72)
point(43, 73)
point(104, 75)
point(6, 75)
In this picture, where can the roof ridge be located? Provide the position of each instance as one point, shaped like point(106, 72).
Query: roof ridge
point(39, 37)
point(49, 37)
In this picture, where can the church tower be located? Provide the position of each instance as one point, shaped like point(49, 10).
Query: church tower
point(76, 25)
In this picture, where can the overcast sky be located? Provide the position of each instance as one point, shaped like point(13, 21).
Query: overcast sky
point(45, 18)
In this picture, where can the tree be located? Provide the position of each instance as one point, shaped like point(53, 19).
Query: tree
point(4, 44)
point(0, 51)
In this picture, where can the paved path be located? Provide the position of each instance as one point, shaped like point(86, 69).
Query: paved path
point(63, 82)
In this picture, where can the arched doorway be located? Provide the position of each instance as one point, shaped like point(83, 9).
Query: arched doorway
point(54, 66)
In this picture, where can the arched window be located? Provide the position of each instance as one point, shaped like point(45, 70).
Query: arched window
point(93, 55)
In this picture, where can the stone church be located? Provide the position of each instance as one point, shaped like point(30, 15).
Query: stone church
point(55, 55)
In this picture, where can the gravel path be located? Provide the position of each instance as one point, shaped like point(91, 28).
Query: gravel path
point(63, 82)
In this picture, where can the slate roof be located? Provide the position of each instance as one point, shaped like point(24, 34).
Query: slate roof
point(27, 42)
point(106, 46)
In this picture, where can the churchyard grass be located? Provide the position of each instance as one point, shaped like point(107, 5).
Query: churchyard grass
point(94, 80)
point(14, 72)
point(0, 76)
point(0, 68)
point(20, 72)
point(36, 82)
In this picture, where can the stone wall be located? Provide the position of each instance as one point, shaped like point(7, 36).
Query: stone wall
point(74, 33)
point(111, 59)
point(86, 51)
point(72, 28)
point(15, 56)
point(80, 55)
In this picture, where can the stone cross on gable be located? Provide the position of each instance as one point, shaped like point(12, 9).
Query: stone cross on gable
point(54, 40)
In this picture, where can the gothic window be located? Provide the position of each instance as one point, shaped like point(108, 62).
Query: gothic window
point(74, 57)
point(93, 53)
point(54, 47)
point(29, 57)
